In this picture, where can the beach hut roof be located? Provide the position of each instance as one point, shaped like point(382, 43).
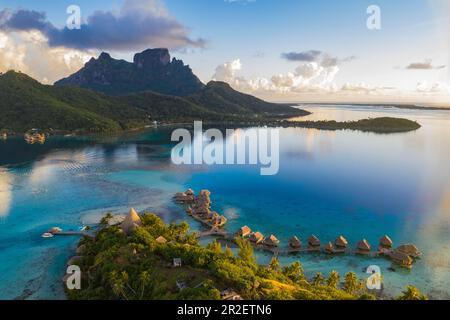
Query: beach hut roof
point(385, 241)
point(401, 257)
point(409, 249)
point(244, 231)
point(295, 242)
point(132, 220)
point(364, 245)
point(256, 236)
point(189, 192)
point(313, 240)
point(329, 246)
point(271, 240)
point(161, 240)
point(341, 242)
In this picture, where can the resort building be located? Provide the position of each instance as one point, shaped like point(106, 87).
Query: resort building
point(131, 222)
point(256, 237)
point(243, 232)
point(410, 250)
point(386, 242)
point(401, 258)
point(363, 247)
point(329, 248)
point(295, 243)
point(271, 241)
point(341, 242)
point(313, 243)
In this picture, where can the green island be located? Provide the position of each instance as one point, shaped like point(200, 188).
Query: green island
point(26, 104)
point(142, 258)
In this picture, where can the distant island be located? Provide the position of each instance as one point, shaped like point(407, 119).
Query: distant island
point(109, 95)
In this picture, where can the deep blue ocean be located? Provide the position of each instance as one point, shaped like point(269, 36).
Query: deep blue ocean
point(360, 185)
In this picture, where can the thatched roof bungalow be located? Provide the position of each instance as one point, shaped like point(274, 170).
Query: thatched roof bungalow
point(189, 192)
point(295, 242)
point(313, 241)
point(386, 242)
point(410, 250)
point(161, 240)
point(401, 258)
point(244, 231)
point(271, 241)
point(256, 237)
point(219, 221)
point(329, 248)
point(363, 247)
point(131, 222)
point(341, 242)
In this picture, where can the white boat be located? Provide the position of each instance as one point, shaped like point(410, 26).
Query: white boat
point(47, 235)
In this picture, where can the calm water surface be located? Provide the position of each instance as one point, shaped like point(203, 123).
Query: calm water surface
point(361, 185)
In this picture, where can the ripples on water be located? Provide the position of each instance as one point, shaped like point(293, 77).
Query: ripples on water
point(361, 185)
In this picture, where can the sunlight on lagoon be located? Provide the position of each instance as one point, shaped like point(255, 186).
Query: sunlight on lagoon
point(361, 185)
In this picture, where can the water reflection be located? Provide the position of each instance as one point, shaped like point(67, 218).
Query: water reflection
point(5, 192)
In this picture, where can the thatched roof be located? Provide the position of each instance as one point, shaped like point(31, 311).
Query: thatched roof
point(131, 222)
point(401, 258)
point(313, 241)
point(256, 237)
point(386, 242)
point(409, 249)
point(219, 221)
point(161, 240)
point(363, 245)
point(341, 242)
point(189, 192)
point(271, 241)
point(295, 242)
point(329, 247)
point(244, 231)
point(205, 193)
point(213, 215)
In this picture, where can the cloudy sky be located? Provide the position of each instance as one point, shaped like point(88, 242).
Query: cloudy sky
point(289, 50)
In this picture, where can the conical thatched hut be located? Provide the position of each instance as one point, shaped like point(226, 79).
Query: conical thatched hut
point(131, 222)
point(329, 248)
point(341, 242)
point(244, 232)
point(271, 241)
point(313, 243)
point(401, 258)
point(410, 250)
point(363, 247)
point(295, 243)
point(161, 240)
point(386, 242)
point(256, 237)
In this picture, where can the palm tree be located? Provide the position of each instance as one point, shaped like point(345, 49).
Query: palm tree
point(351, 283)
point(318, 279)
point(412, 293)
point(333, 279)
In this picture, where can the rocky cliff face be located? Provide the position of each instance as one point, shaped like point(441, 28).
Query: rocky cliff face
point(151, 70)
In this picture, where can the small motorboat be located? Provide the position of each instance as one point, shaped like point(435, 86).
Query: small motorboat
point(47, 235)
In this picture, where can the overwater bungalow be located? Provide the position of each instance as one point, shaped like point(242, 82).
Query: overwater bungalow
point(329, 248)
point(190, 192)
point(401, 259)
point(256, 237)
point(55, 230)
point(131, 222)
point(295, 243)
point(363, 247)
point(410, 250)
point(271, 241)
point(212, 215)
point(183, 197)
point(341, 242)
point(219, 221)
point(161, 240)
point(313, 243)
point(386, 242)
point(243, 232)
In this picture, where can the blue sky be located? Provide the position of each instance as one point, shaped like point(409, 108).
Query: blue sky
point(257, 33)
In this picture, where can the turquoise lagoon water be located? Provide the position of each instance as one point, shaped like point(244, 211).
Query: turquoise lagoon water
point(361, 185)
